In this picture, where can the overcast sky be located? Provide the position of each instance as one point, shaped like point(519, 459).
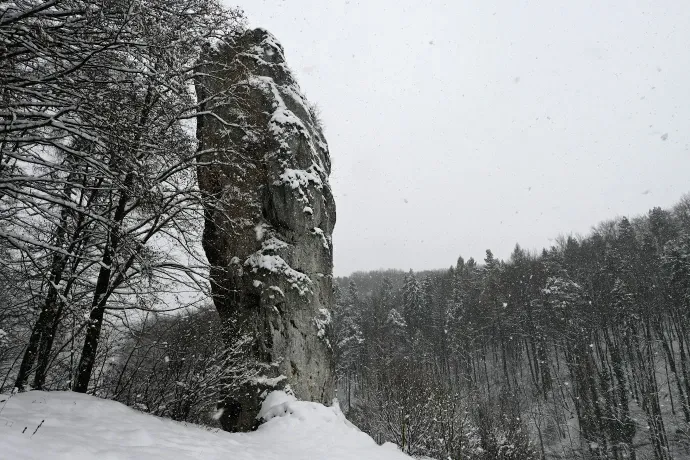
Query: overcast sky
point(465, 125)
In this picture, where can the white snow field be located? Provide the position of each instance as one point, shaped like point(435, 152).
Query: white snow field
point(75, 426)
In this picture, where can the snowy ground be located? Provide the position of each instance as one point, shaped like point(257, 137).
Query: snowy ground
point(76, 427)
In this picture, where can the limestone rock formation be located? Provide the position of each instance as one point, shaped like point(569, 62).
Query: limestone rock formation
point(269, 218)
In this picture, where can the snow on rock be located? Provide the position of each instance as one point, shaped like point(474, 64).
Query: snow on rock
point(81, 427)
point(276, 404)
point(275, 264)
point(300, 180)
point(323, 322)
point(325, 241)
point(269, 382)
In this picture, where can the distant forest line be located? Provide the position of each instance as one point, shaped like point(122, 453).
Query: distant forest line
point(579, 351)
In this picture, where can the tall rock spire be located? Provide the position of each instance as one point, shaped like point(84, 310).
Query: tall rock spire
point(269, 215)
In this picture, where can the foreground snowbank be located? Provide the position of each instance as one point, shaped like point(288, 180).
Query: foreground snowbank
point(77, 427)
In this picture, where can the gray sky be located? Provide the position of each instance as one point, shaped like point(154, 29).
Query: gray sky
point(465, 125)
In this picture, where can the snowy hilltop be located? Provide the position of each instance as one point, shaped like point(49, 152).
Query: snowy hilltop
point(67, 425)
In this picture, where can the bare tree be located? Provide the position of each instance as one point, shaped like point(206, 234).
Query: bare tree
point(97, 161)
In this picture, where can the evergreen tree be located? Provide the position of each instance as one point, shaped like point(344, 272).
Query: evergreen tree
point(412, 300)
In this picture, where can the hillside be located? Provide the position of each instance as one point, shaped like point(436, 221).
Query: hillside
point(577, 351)
point(78, 427)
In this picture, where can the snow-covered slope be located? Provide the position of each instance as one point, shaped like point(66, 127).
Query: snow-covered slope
point(75, 427)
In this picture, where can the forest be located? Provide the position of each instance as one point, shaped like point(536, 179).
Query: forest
point(578, 351)
point(100, 212)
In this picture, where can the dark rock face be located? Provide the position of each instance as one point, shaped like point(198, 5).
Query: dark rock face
point(269, 218)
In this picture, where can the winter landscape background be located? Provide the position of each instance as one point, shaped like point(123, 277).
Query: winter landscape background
point(173, 283)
